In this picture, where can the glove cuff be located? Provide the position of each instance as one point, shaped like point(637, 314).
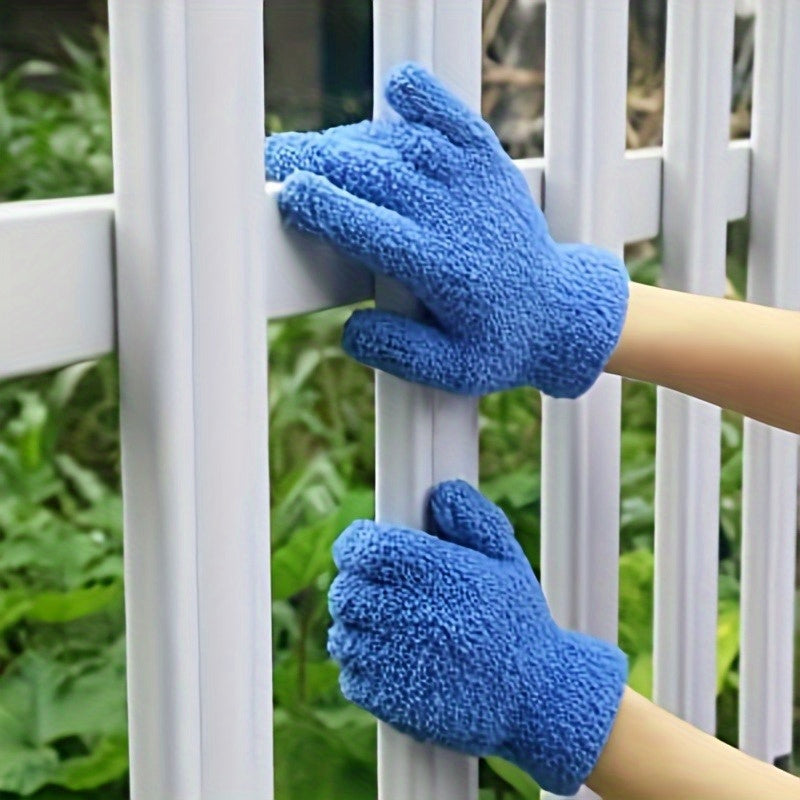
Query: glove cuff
point(565, 725)
point(589, 301)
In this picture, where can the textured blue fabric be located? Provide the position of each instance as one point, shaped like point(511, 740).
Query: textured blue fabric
point(432, 200)
point(448, 638)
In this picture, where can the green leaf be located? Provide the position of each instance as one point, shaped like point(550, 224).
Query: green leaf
point(313, 760)
point(320, 679)
point(82, 57)
point(636, 569)
point(105, 514)
point(53, 700)
point(28, 429)
point(637, 512)
point(731, 473)
point(66, 606)
point(24, 766)
point(520, 488)
point(727, 639)
point(36, 68)
point(107, 761)
point(354, 727)
point(14, 604)
point(515, 777)
point(67, 380)
point(307, 553)
point(45, 545)
point(310, 490)
point(89, 487)
point(640, 674)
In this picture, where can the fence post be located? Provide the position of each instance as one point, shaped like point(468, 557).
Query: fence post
point(187, 87)
point(423, 436)
point(586, 61)
point(769, 490)
point(699, 55)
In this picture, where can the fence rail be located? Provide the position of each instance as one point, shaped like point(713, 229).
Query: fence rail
point(64, 248)
point(181, 268)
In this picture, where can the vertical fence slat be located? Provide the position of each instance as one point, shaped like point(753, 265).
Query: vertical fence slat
point(584, 150)
point(769, 491)
point(225, 45)
point(699, 58)
point(423, 436)
point(188, 136)
point(156, 396)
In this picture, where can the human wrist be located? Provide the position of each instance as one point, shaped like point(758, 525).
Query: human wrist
point(587, 294)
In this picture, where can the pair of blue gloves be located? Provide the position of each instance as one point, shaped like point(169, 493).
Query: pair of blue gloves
point(446, 635)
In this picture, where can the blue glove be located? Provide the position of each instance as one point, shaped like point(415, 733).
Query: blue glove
point(448, 638)
point(433, 201)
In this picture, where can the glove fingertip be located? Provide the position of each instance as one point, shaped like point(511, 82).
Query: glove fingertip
point(350, 541)
point(304, 200)
point(333, 644)
point(460, 513)
point(358, 335)
point(404, 75)
point(449, 495)
point(352, 687)
point(282, 153)
point(412, 92)
point(442, 499)
point(296, 189)
point(335, 598)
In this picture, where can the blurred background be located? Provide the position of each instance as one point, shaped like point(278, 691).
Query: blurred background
point(62, 651)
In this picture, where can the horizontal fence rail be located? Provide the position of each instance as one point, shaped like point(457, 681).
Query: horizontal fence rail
point(63, 248)
point(57, 274)
point(181, 268)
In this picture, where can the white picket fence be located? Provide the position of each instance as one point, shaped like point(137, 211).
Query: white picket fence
point(180, 269)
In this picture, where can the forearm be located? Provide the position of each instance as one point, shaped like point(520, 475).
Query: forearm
point(740, 356)
point(653, 755)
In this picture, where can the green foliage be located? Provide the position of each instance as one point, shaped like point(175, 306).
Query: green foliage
point(306, 555)
point(522, 783)
point(636, 570)
point(55, 132)
point(62, 657)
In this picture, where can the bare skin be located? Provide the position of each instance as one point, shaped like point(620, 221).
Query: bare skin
point(740, 356)
point(653, 755)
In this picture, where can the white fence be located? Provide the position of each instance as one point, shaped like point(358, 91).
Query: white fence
point(181, 268)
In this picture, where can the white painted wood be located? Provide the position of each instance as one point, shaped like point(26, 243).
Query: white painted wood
point(533, 171)
point(58, 262)
point(584, 151)
point(56, 274)
point(191, 258)
point(737, 179)
point(304, 274)
point(423, 436)
point(640, 194)
point(696, 145)
point(769, 491)
point(642, 189)
point(230, 255)
point(154, 315)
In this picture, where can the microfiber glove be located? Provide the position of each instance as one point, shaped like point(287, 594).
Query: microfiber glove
point(448, 638)
point(432, 200)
